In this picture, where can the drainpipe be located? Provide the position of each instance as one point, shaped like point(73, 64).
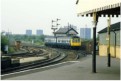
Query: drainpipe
point(115, 42)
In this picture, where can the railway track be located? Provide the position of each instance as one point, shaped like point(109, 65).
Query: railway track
point(73, 55)
point(59, 56)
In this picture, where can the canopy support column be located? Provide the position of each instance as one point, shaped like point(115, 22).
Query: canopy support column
point(108, 49)
point(95, 21)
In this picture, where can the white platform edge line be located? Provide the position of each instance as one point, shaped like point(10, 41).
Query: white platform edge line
point(39, 68)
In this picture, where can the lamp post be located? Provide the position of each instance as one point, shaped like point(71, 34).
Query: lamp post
point(95, 21)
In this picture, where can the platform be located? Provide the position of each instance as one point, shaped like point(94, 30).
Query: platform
point(75, 70)
point(31, 59)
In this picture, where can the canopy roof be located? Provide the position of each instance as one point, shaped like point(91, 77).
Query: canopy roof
point(66, 30)
point(105, 7)
point(114, 27)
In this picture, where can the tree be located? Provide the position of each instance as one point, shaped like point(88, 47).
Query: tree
point(4, 41)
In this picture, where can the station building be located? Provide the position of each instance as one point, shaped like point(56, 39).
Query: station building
point(96, 9)
point(114, 41)
point(66, 31)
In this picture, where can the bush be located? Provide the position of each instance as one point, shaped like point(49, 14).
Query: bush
point(11, 50)
point(4, 41)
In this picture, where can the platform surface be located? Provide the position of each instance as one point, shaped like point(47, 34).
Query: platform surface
point(75, 70)
point(31, 59)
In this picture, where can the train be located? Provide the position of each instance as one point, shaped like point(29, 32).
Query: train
point(73, 42)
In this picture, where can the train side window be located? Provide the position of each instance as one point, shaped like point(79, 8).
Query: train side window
point(66, 41)
point(58, 41)
point(74, 40)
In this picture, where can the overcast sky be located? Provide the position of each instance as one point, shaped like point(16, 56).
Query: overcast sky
point(19, 15)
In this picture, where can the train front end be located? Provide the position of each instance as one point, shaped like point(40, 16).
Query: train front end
point(75, 42)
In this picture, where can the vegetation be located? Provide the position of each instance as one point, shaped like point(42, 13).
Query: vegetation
point(7, 39)
point(38, 40)
point(11, 50)
point(4, 40)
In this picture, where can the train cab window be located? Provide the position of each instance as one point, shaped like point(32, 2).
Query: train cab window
point(68, 41)
point(76, 40)
point(49, 40)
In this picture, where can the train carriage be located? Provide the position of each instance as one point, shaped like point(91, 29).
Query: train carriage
point(63, 42)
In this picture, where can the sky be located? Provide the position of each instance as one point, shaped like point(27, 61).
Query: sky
point(19, 15)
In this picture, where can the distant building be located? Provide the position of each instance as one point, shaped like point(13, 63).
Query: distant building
point(39, 32)
point(85, 33)
point(6, 33)
point(29, 32)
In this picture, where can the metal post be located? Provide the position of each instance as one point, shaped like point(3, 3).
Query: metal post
point(108, 51)
point(94, 50)
point(95, 20)
point(55, 28)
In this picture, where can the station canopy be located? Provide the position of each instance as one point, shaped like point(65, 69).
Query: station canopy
point(102, 7)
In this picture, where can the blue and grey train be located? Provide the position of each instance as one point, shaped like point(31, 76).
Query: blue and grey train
point(63, 42)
